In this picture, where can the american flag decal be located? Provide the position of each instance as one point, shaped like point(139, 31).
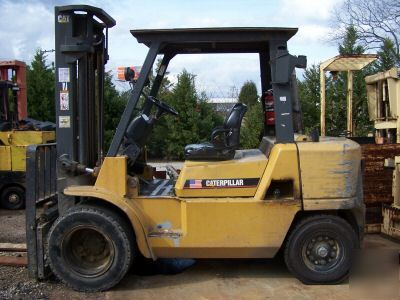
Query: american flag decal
point(195, 184)
point(221, 183)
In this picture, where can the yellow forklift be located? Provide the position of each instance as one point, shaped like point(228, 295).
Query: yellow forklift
point(17, 132)
point(90, 216)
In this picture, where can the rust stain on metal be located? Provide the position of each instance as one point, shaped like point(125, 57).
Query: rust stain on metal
point(13, 261)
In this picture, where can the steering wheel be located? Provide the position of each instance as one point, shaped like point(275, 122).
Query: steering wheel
point(163, 106)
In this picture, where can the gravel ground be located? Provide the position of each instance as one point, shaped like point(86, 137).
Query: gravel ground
point(15, 284)
point(12, 226)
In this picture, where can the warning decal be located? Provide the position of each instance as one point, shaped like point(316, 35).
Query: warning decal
point(64, 122)
point(64, 100)
point(63, 75)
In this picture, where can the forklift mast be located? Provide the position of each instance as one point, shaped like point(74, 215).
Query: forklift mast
point(14, 71)
point(81, 44)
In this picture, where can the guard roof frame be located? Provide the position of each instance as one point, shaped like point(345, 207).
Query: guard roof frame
point(269, 42)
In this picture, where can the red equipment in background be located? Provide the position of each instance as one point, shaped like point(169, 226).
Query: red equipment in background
point(15, 71)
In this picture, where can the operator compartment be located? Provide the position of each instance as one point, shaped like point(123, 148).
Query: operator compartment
point(329, 168)
point(238, 177)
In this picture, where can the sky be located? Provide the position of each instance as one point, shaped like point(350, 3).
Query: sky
point(28, 25)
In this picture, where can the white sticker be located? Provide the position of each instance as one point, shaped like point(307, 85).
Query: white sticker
point(64, 122)
point(63, 18)
point(282, 99)
point(63, 74)
point(64, 100)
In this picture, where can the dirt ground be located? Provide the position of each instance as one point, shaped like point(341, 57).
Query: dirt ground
point(12, 226)
point(205, 279)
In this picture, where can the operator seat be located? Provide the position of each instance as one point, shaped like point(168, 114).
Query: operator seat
point(225, 139)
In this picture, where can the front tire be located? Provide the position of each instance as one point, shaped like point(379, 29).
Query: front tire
point(320, 250)
point(90, 248)
point(13, 197)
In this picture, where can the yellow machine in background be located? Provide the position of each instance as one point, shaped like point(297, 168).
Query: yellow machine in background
point(14, 144)
point(383, 90)
point(16, 133)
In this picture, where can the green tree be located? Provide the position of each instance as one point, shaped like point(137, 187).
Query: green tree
point(157, 143)
point(309, 89)
point(40, 87)
point(195, 121)
point(350, 43)
point(252, 125)
point(248, 93)
point(337, 90)
point(387, 56)
point(114, 105)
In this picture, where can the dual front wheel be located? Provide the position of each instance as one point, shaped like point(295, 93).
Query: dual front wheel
point(92, 248)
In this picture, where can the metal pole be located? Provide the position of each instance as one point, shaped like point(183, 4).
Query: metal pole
point(350, 102)
point(322, 90)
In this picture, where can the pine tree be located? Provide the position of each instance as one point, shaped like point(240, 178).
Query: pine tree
point(252, 124)
point(349, 44)
point(194, 123)
point(248, 93)
point(40, 87)
point(309, 89)
point(252, 127)
point(387, 56)
point(336, 111)
point(114, 105)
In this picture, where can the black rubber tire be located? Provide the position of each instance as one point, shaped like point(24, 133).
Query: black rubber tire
point(333, 226)
point(15, 191)
point(106, 222)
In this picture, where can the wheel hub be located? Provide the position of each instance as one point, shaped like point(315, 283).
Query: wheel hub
point(321, 252)
point(88, 251)
point(13, 198)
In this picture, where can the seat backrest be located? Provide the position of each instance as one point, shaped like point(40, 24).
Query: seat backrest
point(233, 122)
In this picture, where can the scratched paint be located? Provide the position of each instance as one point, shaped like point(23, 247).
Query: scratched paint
point(164, 230)
point(329, 169)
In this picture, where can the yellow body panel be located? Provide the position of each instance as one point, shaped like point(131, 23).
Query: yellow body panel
point(207, 227)
point(116, 180)
point(229, 226)
point(247, 164)
point(26, 138)
point(18, 158)
point(13, 153)
point(5, 158)
point(329, 170)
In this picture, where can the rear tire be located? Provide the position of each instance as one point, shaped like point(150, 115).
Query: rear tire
point(320, 250)
point(90, 248)
point(13, 197)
